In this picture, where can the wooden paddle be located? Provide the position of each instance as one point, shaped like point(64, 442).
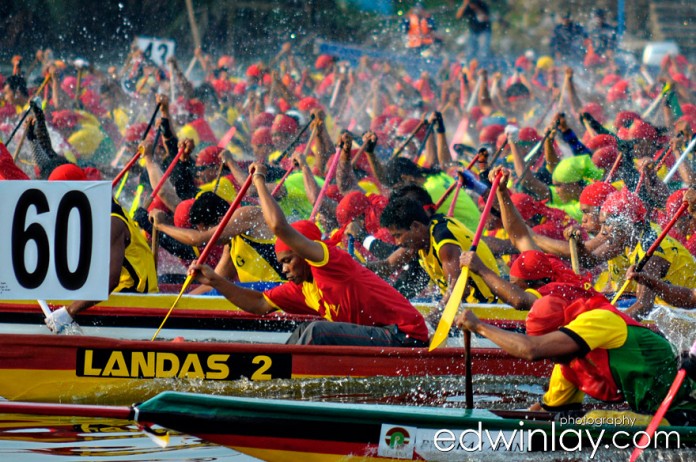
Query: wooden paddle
point(574, 260)
point(641, 263)
point(457, 293)
point(155, 245)
point(664, 407)
point(213, 240)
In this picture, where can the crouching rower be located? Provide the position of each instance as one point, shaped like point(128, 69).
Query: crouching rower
point(131, 263)
point(325, 281)
point(598, 351)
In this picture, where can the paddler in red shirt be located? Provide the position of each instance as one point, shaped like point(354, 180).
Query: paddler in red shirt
point(325, 281)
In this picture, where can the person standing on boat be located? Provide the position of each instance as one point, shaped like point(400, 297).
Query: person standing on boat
point(132, 265)
point(598, 351)
point(323, 280)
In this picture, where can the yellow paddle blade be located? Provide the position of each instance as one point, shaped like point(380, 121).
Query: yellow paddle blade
point(620, 292)
point(188, 280)
point(443, 327)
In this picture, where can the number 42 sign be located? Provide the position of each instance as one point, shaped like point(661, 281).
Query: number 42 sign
point(156, 49)
point(56, 240)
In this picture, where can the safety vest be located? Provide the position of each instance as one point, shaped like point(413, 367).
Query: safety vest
point(419, 32)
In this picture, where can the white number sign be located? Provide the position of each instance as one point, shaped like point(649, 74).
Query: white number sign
point(156, 49)
point(56, 238)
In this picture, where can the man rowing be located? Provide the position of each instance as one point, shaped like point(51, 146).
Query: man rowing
point(323, 280)
point(598, 351)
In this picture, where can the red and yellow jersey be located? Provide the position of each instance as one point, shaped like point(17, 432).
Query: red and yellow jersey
point(342, 290)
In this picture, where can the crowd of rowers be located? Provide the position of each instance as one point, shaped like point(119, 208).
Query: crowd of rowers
point(353, 226)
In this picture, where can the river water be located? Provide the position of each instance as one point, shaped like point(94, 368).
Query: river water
point(54, 439)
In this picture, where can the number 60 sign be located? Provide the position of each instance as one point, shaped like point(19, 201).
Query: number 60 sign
point(55, 240)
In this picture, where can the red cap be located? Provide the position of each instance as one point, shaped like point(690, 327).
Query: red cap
point(68, 85)
point(593, 60)
point(674, 201)
point(209, 156)
point(262, 137)
point(522, 62)
point(263, 119)
point(531, 265)
point(377, 123)
point(92, 174)
point(240, 88)
point(304, 227)
point(222, 86)
point(527, 206)
point(624, 119)
point(626, 205)
point(323, 61)
point(225, 61)
point(407, 126)
point(308, 103)
point(641, 131)
point(618, 91)
point(67, 172)
point(600, 141)
point(253, 71)
point(489, 134)
point(605, 157)
point(528, 135)
point(65, 119)
point(595, 194)
point(595, 110)
point(610, 79)
point(353, 205)
point(688, 109)
point(284, 124)
point(476, 113)
point(182, 214)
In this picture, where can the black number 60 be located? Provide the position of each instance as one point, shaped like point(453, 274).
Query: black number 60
point(71, 280)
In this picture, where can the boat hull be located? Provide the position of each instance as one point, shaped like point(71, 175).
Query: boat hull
point(281, 430)
point(94, 369)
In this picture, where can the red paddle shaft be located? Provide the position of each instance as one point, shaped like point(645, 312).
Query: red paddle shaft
point(167, 173)
point(226, 219)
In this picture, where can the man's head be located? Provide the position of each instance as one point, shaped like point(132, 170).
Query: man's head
point(401, 171)
point(407, 222)
point(621, 217)
point(591, 200)
point(296, 268)
point(570, 175)
point(15, 90)
point(207, 210)
point(208, 162)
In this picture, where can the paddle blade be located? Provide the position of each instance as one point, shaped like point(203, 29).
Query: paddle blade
point(443, 327)
point(620, 292)
point(655, 422)
point(187, 281)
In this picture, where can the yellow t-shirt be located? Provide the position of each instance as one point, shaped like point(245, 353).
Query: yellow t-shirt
point(598, 329)
point(444, 230)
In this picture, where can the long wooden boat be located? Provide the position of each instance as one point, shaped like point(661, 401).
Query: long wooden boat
point(98, 369)
point(136, 316)
point(283, 430)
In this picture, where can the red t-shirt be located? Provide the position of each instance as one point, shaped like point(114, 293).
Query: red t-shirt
point(345, 291)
